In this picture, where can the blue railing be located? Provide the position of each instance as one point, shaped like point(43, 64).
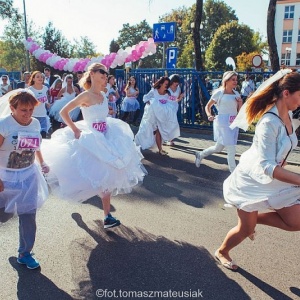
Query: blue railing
point(196, 95)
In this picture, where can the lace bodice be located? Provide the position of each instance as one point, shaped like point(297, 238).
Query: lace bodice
point(96, 112)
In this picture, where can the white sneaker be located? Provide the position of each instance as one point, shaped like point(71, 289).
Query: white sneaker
point(198, 158)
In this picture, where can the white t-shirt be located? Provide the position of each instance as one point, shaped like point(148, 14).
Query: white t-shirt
point(20, 143)
point(42, 97)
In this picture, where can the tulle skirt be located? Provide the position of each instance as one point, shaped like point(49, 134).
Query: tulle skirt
point(24, 190)
point(58, 105)
point(95, 163)
point(130, 104)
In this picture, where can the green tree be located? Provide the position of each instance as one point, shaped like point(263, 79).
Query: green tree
point(184, 39)
point(13, 54)
point(132, 35)
point(7, 11)
point(114, 46)
point(215, 14)
point(84, 48)
point(231, 39)
point(55, 42)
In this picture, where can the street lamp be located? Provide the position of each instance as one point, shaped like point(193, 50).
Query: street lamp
point(26, 36)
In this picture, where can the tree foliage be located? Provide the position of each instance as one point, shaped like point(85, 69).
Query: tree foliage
point(184, 40)
point(7, 11)
point(13, 55)
point(244, 61)
point(231, 39)
point(84, 47)
point(215, 14)
point(132, 35)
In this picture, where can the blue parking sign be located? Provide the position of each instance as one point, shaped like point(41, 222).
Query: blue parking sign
point(171, 57)
point(164, 32)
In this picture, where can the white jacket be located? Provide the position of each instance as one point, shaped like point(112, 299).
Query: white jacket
point(270, 146)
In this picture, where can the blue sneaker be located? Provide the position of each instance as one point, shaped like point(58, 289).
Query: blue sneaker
point(28, 260)
point(110, 222)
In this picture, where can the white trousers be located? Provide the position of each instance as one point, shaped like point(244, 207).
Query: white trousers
point(218, 148)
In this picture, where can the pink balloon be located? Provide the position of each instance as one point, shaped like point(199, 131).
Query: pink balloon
point(142, 49)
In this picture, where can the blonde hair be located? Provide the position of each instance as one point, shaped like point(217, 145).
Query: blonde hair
point(226, 76)
point(86, 81)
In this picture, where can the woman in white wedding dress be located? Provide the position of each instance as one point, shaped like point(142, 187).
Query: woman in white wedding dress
point(96, 156)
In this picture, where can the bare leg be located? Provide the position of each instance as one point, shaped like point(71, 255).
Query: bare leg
point(286, 218)
point(105, 197)
point(158, 140)
point(245, 227)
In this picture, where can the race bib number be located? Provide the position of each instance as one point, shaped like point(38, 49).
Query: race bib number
point(163, 101)
point(28, 141)
point(172, 98)
point(43, 99)
point(100, 126)
point(231, 119)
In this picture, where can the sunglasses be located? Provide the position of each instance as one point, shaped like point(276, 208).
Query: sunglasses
point(101, 72)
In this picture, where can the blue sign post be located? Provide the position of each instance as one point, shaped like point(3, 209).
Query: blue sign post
point(164, 32)
point(171, 57)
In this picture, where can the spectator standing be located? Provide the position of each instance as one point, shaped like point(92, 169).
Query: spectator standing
point(49, 79)
point(5, 86)
point(130, 102)
point(25, 83)
point(40, 91)
point(248, 87)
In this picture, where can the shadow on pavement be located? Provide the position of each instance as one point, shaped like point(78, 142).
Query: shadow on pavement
point(295, 290)
point(33, 285)
point(133, 260)
point(272, 292)
point(180, 179)
point(96, 201)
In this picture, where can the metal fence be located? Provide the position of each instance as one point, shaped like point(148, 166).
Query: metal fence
point(196, 95)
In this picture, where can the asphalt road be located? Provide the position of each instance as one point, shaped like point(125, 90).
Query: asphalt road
point(171, 226)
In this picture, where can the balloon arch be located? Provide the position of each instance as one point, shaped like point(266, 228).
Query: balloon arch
point(112, 60)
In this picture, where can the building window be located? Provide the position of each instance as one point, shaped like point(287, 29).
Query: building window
point(286, 58)
point(289, 12)
point(298, 36)
point(287, 36)
point(298, 59)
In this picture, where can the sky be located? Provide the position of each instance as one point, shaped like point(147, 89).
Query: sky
point(101, 20)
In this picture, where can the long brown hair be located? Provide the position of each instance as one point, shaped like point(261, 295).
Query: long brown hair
point(31, 82)
point(261, 101)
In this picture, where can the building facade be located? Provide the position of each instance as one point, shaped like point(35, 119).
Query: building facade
point(287, 32)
